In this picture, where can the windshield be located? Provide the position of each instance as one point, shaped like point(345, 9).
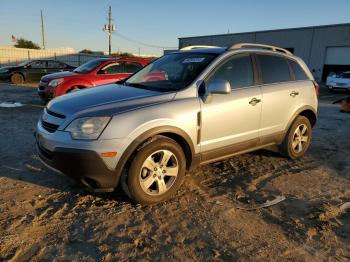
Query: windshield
point(171, 72)
point(23, 63)
point(88, 66)
point(345, 75)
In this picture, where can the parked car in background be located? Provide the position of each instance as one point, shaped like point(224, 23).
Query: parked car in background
point(93, 73)
point(339, 82)
point(32, 70)
point(186, 108)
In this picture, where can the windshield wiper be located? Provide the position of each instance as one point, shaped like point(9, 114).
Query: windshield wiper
point(137, 85)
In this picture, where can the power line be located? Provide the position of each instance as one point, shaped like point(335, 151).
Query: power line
point(144, 44)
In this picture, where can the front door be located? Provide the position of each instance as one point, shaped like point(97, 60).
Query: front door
point(232, 120)
point(36, 70)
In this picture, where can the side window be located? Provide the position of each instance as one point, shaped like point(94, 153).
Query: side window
point(299, 72)
point(274, 69)
point(54, 64)
point(131, 67)
point(115, 68)
point(38, 64)
point(238, 71)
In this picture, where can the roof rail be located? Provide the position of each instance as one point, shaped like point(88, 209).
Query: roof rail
point(191, 47)
point(273, 48)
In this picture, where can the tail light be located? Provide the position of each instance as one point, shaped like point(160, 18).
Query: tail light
point(317, 87)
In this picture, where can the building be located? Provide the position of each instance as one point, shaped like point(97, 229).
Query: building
point(324, 48)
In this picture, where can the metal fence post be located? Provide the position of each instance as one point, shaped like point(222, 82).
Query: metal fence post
point(28, 55)
point(79, 59)
point(55, 56)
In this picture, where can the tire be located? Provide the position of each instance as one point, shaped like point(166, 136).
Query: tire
point(156, 172)
point(73, 89)
point(297, 139)
point(17, 78)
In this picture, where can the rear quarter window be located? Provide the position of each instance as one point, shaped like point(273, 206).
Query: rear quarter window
point(274, 69)
point(298, 71)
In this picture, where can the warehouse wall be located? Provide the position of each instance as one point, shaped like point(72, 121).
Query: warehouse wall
point(309, 43)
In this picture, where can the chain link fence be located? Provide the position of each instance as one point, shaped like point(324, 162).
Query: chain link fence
point(14, 56)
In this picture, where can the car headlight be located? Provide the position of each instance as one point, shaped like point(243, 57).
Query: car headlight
point(55, 82)
point(4, 70)
point(88, 128)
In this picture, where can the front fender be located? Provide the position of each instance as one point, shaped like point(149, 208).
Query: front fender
point(70, 83)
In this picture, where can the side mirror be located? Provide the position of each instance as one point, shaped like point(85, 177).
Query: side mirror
point(217, 86)
point(28, 66)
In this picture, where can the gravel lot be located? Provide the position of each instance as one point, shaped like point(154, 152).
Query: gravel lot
point(215, 217)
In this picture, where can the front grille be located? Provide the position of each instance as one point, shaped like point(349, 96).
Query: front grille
point(49, 127)
point(341, 84)
point(55, 114)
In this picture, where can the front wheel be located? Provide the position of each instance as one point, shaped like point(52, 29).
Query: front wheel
point(156, 172)
point(298, 138)
point(17, 78)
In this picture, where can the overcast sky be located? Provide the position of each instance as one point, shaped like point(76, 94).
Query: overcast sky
point(78, 23)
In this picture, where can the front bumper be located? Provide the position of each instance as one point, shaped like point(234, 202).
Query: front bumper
point(84, 166)
point(5, 76)
point(45, 93)
point(335, 87)
point(81, 160)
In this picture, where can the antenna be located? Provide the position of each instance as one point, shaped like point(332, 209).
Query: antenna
point(42, 29)
point(109, 28)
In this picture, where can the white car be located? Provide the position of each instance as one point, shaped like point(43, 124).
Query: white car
point(339, 82)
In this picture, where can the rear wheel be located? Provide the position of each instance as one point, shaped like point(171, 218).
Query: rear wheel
point(17, 78)
point(156, 172)
point(298, 138)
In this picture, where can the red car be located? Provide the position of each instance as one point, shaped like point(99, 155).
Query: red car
point(93, 73)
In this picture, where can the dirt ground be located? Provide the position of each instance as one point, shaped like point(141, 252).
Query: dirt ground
point(45, 217)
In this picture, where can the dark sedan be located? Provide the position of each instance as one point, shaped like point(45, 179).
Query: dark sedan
point(32, 70)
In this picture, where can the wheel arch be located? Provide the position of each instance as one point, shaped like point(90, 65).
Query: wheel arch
point(18, 72)
point(174, 133)
point(308, 112)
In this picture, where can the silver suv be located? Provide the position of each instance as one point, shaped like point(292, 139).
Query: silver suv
point(187, 108)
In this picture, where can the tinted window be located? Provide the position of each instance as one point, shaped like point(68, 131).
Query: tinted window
point(238, 71)
point(54, 64)
point(115, 68)
point(38, 64)
point(89, 66)
point(298, 71)
point(132, 67)
point(274, 69)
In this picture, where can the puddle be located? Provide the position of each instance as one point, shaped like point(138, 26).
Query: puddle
point(11, 104)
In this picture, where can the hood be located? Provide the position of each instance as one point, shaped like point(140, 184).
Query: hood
point(50, 77)
point(106, 100)
point(3, 68)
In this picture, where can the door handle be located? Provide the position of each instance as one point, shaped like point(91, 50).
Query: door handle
point(294, 93)
point(254, 101)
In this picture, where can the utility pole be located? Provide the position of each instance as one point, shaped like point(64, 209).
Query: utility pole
point(109, 28)
point(42, 29)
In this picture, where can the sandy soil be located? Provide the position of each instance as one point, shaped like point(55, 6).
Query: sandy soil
point(45, 217)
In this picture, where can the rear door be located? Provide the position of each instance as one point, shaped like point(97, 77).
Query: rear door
point(278, 94)
point(231, 119)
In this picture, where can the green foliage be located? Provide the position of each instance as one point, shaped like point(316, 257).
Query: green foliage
point(23, 43)
point(86, 51)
